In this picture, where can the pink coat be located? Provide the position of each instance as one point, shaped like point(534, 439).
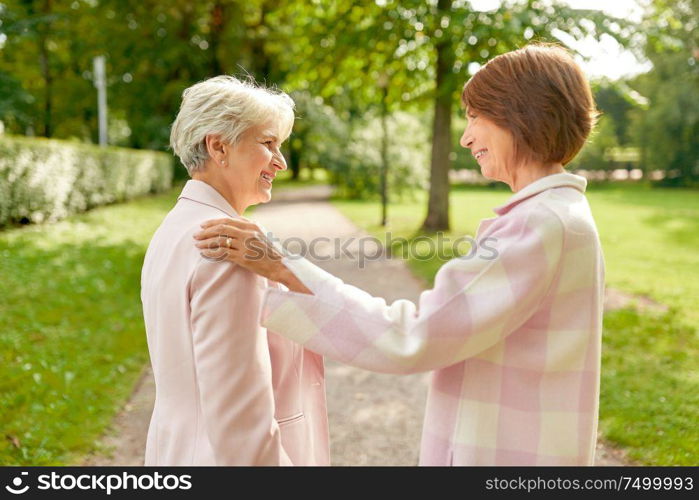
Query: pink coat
point(228, 392)
point(513, 338)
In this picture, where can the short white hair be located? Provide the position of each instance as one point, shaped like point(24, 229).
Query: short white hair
point(225, 106)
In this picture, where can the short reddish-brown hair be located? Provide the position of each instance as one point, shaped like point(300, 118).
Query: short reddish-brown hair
point(540, 94)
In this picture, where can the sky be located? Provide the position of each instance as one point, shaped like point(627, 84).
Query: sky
point(607, 58)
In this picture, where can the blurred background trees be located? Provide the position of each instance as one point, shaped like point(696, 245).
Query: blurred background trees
point(376, 82)
point(667, 132)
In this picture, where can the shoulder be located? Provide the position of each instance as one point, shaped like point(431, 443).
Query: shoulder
point(563, 208)
point(184, 220)
point(572, 209)
point(534, 219)
point(566, 221)
point(173, 243)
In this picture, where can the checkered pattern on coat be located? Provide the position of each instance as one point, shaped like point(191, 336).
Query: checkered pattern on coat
point(513, 333)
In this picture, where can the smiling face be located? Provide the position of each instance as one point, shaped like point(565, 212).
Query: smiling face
point(491, 145)
point(253, 163)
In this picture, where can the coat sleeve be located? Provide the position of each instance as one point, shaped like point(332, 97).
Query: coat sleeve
point(233, 368)
point(474, 304)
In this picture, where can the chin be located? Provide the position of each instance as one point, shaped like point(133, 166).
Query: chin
point(265, 197)
point(491, 174)
point(487, 173)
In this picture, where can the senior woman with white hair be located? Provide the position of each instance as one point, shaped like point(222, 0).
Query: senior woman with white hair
point(228, 392)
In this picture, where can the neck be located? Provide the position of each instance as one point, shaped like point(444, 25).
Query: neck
point(209, 175)
point(527, 174)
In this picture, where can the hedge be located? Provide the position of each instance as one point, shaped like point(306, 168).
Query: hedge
point(46, 179)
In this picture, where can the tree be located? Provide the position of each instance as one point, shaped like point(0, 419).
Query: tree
point(154, 50)
point(490, 34)
point(594, 155)
point(438, 201)
point(614, 100)
point(333, 49)
point(426, 47)
point(667, 132)
point(34, 55)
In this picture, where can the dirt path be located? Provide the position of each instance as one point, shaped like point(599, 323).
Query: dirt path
point(375, 419)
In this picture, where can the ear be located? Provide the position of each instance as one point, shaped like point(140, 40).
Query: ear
point(216, 148)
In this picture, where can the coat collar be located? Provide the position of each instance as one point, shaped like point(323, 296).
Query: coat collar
point(204, 193)
point(549, 182)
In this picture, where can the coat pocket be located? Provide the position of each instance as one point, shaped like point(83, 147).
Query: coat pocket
point(290, 420)
point(296, 439)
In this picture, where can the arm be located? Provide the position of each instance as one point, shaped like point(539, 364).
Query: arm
point(475, 303)
point(233, 368)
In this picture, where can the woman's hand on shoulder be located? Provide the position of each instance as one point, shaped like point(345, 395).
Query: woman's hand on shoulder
point(240, 241)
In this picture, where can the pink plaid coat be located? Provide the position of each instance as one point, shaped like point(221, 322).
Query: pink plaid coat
point(513, 335)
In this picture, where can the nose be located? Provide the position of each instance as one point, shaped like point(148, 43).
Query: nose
point(278, 160)
point(466, 140)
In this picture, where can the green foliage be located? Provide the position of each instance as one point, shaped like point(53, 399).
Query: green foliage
point(154, 51)
point(45, 50)
point(615, 100)
point(667, 132)
point(15, 102)
point(593, 155)
point(461, 156)
point(649, 237)
point(72, 341)
point(46, 179)
point(369, 56)
point(670, 126)
point(357, 172)
point(343, 49)
point(319, 137)
point(338, 50)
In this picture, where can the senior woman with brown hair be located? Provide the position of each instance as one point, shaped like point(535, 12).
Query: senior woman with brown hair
point(514, 341)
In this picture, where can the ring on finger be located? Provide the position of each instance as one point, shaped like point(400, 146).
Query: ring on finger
point(229, 242)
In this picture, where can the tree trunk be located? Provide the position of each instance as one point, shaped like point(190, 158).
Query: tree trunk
point(643, 158)
point(46, 72)
point(384, 156)
point(216, 26)
point(261, 64)
point(294, 160)
point(438, 205)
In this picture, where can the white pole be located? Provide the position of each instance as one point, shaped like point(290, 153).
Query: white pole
point(101, 85)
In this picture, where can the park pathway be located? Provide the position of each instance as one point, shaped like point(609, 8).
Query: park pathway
point(375, 419)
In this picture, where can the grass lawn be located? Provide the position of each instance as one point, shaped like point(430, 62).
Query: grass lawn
point(72, 340)
point(650, 380)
